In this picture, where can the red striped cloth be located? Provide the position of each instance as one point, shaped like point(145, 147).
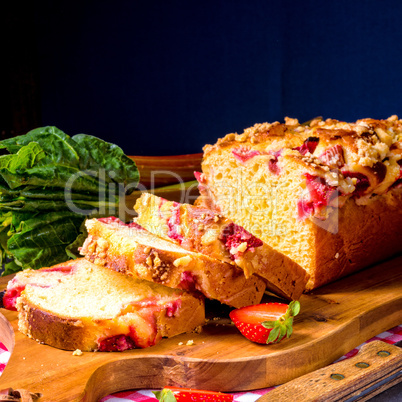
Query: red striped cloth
point(391, 336)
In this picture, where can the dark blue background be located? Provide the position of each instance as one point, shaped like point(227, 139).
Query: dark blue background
point(166, 77)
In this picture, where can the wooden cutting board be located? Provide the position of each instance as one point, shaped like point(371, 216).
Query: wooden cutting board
point(333, 320)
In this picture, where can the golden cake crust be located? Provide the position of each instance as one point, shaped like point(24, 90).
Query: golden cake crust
point(361, 135)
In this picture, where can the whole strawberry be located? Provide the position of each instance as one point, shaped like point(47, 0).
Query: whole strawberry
point(266, 323)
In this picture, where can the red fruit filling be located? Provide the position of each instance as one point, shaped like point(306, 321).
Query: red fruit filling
point(151, 339)
point(199, 177)
point(161, 202)
point(201, 182)
point(173, 224)
point(273, 162)
point(333, 156)
point(309, 145)
point(188, 281)
point(117, 343)
point(65, 269)
point(113, 219)
point(201, 215)
point(320, 194)
point(150, 306)
point(172, 308)
point(362, 182)
point(244, 154)
point(305, 209)
point(10, 297)
point(133, 225)
point(150, 303)
point(234, 235)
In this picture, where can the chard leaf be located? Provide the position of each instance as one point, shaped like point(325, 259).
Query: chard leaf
point(35, 205)
point(26, 222)
point(42, 240)
point(72, 250)
point(6, 193)
point(11, 267)
point(118, 167)
point(55, 194)
point(83, 161)
point(49, 184)
point(52, 175)
point(45, 234)
point(35, 258)
point(5, 224)
point(25, 158)
point(57, 145)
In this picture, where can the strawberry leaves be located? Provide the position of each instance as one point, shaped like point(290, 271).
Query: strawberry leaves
point(165, 395)
point(266, 323)
point(284, 325)
point(175, 394)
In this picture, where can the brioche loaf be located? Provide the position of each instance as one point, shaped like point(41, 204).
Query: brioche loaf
point(327, 195)
point(77, 305)
point(208, 232)
point(132, 250)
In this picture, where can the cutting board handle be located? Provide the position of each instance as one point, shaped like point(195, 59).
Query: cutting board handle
point(356, 376)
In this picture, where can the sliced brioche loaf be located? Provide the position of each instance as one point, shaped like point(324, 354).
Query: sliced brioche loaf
point(327, 195)
point(132, 250)
point(208, 232)
point(77, 305)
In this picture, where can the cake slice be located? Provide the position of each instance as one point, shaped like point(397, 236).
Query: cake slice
point(78, 305)
point(208, 232)
point(132, 250)
point(328, 195)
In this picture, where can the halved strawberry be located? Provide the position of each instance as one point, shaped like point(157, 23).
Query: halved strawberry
point(175, 394)
point(267, 322)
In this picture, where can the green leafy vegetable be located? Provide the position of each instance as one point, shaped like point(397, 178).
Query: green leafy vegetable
point(49, 184)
